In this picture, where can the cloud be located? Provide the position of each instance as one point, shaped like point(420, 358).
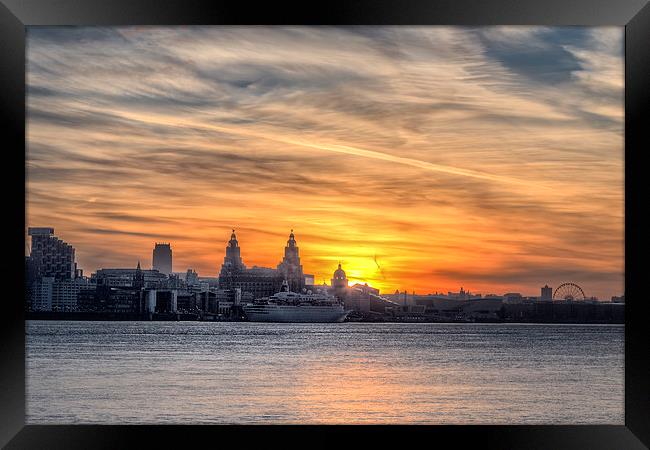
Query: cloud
point(492, 155)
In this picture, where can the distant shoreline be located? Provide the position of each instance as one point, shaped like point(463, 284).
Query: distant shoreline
point(132, 317)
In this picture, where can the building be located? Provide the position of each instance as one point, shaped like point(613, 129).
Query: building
point(191, 277)
point(30, 279)
point(512, 297)
point(339, 283)
point(162, 258)
point(290, 268)
point(255, 282)
point(232, 262)
point(124, 278)
point(365, 288)
point(617, 299)
point(65, 293)
point(50, 294)
point(547, 294)
point(50, 256)
point(42, 294)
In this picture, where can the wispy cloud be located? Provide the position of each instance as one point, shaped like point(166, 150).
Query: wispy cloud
point(488, 156)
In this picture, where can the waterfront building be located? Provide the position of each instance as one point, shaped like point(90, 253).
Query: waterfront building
point(31, 275)
point(162, 258)
point(65, 293)
point(125, 278)
point(255, 282)
point(232, 262)
point(547, 294)
point(512, 297)
point(50, 256)
point(42, 294)
point(213, 282)
point(365, 288)
point(191, 277)
point(50, 294)
point(290, 268)
point(339, 283)
point(119, 300)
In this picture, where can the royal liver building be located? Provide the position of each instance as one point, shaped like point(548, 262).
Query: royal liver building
point(290, 268)
point(259, 282)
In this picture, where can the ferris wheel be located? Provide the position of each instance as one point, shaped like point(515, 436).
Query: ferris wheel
point(569, 292)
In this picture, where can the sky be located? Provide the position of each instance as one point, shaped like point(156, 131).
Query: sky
point(422, 158)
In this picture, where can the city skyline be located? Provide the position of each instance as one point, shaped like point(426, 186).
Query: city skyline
point(422, 158)
point(351, 281)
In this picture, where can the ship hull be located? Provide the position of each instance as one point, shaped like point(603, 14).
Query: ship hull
point(295, 314)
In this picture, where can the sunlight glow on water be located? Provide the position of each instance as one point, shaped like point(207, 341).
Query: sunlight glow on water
point(201, 372)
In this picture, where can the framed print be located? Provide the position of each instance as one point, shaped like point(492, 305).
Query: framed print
point(361, 220)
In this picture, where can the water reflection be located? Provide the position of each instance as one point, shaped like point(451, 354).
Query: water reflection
point(350, 373)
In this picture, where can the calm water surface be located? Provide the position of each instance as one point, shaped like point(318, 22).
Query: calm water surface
point(204, 372)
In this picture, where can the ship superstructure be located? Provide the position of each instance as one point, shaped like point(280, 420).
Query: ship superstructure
point(287, 306)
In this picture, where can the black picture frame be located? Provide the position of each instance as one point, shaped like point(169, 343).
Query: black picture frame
point(15, 15)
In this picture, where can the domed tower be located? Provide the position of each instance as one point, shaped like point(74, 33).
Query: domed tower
point(232, 262)
point(339, 282)
point(290, 267)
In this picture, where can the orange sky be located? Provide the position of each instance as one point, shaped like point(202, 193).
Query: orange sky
point(422, 158)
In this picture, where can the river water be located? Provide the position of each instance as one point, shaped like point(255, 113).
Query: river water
point(352, 373)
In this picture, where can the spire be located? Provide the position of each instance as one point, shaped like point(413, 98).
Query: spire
point(138, 265)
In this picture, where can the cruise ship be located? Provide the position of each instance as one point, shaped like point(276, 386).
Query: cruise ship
point(286, 306)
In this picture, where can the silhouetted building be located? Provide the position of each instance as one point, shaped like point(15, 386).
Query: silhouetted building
point(42, 294)
point(512, 297)
point(31, 275)
point(254, 283)
point(365, 288)
point(339, 282)
point(290, 268)
point(191, 277)
point(547, 294)
point(125, 278)
point(162, 258)
point(138, 278)
point(50, 256)
point(50, 294)
point(232, 262)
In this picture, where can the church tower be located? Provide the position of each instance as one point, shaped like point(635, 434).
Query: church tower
point(290, 268)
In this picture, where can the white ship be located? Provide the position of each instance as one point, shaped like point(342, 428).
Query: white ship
point(286, 306)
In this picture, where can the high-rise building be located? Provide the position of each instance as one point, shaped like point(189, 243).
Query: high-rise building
point(290, 268)
point(547, 293)
point(50, 256)
point(162, 258)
